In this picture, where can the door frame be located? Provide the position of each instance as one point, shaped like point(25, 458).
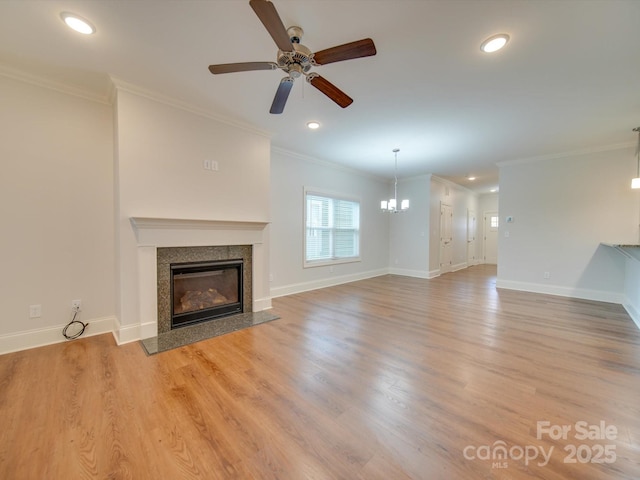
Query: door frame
point(448, 268)
point(485, 216)
point(472, 232)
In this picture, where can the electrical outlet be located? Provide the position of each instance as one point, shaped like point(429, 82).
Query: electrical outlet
point(546, 275)
point(76, 304)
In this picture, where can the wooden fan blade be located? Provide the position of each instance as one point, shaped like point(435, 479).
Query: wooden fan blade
point(331, 91)
point(357, 49)
point(282, 94)
point(269, 17)
point(241, 67)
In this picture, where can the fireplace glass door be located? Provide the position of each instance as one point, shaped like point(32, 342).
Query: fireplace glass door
point(203, 291)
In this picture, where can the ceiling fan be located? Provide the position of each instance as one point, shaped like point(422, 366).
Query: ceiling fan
point(296, 59)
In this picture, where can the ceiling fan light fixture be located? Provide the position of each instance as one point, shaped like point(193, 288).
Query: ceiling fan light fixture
point(296, 59)
point(77, 23)
point(313, 125)
point(494, 43)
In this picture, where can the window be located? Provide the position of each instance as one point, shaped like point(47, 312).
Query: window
point(494, 219)
point(332, 229)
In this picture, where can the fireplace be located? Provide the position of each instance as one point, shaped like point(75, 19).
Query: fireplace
point(202, 291)
point(202, 284)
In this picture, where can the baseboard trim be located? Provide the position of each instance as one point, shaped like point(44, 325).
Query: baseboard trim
point(633, 313)
point(582, 293)
point(325, 282)
point(147, 330)
point(459, 266)
point(41, 337)
point(410, 273)
point(260, 304)
point(132, 333)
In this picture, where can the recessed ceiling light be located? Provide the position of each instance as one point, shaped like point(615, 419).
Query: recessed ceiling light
point(313, 125)
point(471, 178)
point(493, 190)
point(494, 43)
point(78, 23)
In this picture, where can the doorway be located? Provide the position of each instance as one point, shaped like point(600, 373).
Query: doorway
point(446, 238)
point(471, 237)
point(490, 244)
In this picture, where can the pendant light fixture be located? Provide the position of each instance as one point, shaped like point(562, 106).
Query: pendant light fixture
point(391, 206)
point(635, 182)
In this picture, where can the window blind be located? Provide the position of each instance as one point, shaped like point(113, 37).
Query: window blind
point(332, 228)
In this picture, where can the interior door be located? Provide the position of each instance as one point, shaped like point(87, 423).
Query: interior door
point(446, 237)
point(471, 237)
point(491, 226)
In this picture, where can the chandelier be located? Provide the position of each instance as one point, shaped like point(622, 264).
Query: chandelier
point(635, 182)
point(391, 205)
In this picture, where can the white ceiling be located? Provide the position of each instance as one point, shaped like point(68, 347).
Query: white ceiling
point(568, 80)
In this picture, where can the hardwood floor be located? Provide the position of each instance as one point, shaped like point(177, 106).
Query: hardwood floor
point(387, 378)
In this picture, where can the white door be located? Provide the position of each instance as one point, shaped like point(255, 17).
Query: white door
point(491, 225)
point(471, 237)
point(446, 237)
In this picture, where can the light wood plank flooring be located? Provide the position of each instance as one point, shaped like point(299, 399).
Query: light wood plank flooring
point(389, 378)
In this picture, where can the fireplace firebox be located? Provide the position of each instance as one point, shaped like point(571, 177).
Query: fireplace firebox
point(202, 291)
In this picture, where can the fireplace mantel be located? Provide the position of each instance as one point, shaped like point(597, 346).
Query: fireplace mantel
point(153, 222)
point(152, 233)
point(168, 232)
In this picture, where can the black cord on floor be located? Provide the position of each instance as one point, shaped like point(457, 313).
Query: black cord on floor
point(73, 320)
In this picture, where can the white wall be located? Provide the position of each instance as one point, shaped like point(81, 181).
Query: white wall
point(562, 209)
point(160, 153)
point(289, 175)
point(488, 202)
point(631, 300)
point(161, 150)
point(56, 205)
point(409, 231)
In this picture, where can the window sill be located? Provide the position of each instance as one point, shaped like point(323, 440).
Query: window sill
point(324, 263)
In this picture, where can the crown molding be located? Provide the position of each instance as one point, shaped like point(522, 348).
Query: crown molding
point(449, 183)
point(325, 163)
point(121, 85)
point(422, 176)
point(60, 87)
point(563, 155)
point(109, 96)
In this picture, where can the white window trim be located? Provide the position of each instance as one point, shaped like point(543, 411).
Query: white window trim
point(340, 196)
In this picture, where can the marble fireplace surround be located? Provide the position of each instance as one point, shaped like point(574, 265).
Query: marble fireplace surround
point(169, 255)
point(154, 233)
